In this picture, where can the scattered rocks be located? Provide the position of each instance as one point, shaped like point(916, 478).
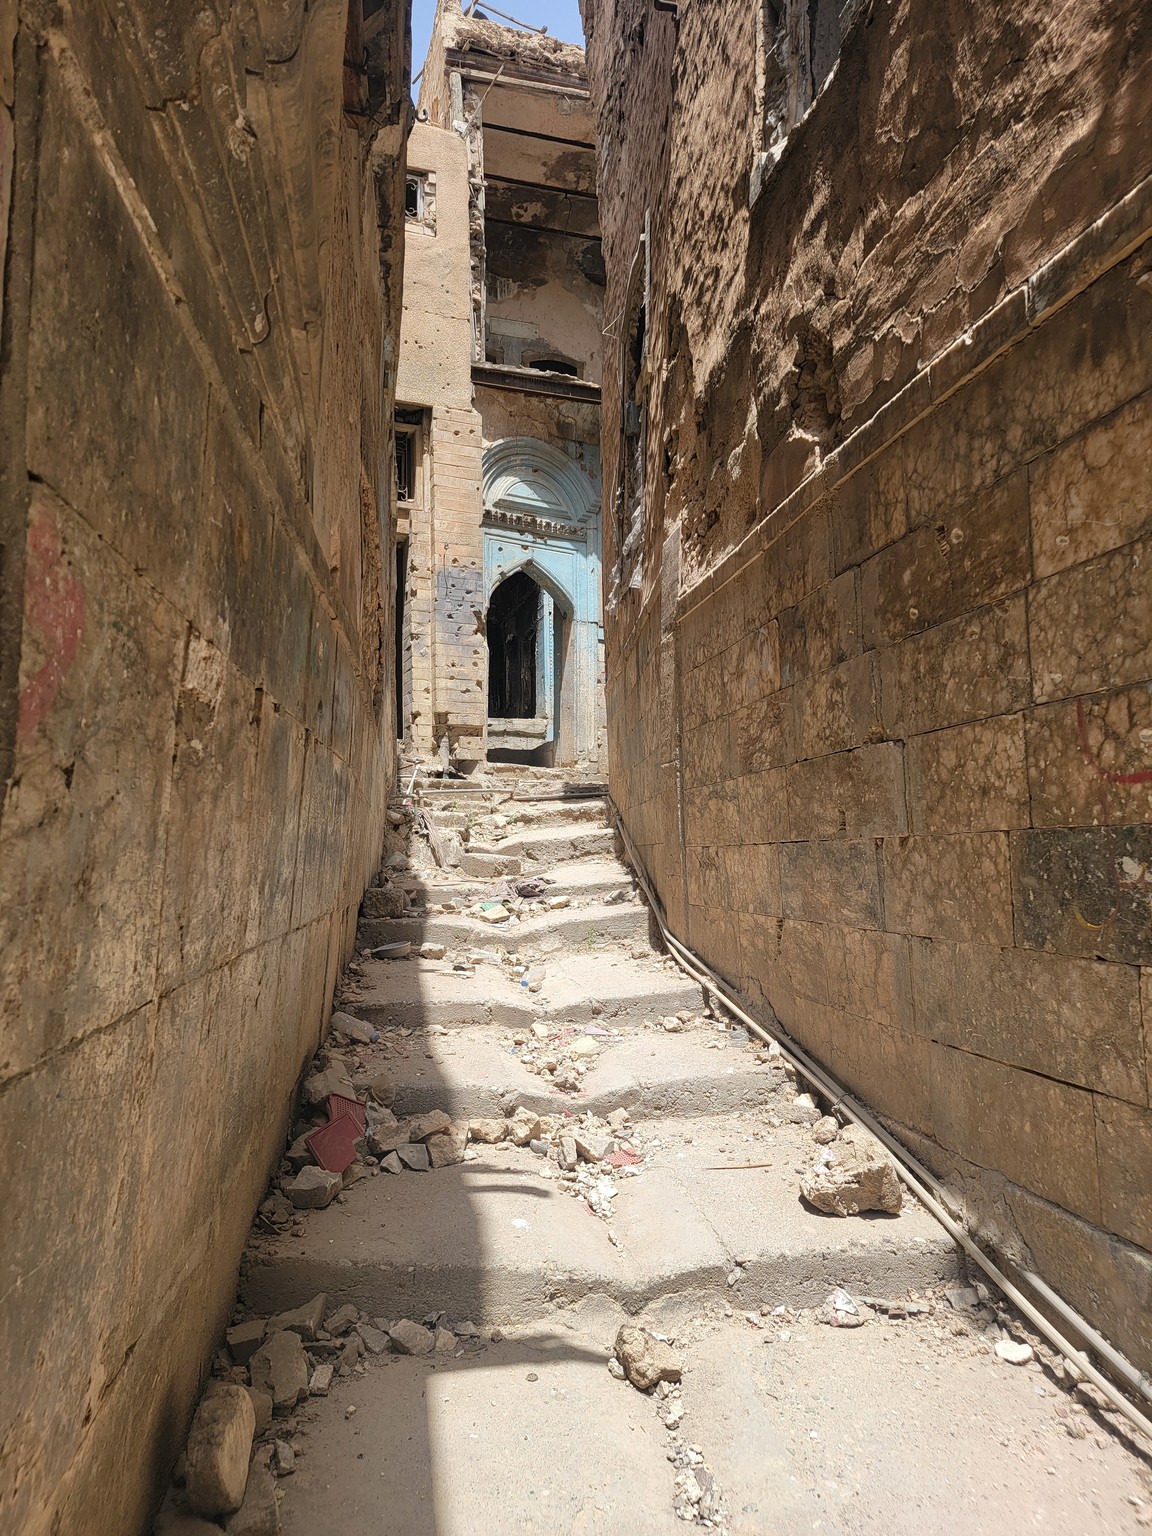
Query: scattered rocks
point(414, 1155)
point(244, 1339)
point(446, 1148)
point(283, 1459)
point(523, 1127)
point(280, 1368)
point(319, 1085)
point(826, 1129)
point(306, 1320)
point(382, 1088)
point(391, 1163)
point(488, 1130)
point(445, 1341)
point(342, 1320)
point(645, 1358)
point(258, 1515)
point(409, 1338)
point(320, 1382)
point(1013, 1352)
point(219, 1445)
point(840, 1311)
point(313, 1188)
point(856, 1175)
point(430, 1124)
point(375, 1340)
point(593, 1146)
point(262, 1407)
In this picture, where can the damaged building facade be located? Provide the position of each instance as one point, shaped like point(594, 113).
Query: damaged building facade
point(877, 426)
point(497, 424)
point(201, 237)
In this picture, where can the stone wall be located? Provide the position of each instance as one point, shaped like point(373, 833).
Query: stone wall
point(199, 311)
point(881, 692)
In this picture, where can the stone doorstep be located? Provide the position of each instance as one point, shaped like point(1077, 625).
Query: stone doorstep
point(570, 927)
point(472, 1075)
point(494, 1241)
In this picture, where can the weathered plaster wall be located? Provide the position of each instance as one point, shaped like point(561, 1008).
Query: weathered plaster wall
point(881, 700)
point(199, 312)
point(541, 299)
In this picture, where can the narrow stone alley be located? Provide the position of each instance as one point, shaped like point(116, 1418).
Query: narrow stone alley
point(575, 767)
point(573, 1286)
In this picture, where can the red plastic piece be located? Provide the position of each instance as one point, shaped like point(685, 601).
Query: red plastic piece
point(334, 1145)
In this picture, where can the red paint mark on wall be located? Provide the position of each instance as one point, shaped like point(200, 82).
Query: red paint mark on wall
point(1142, 776)
point(54, 612)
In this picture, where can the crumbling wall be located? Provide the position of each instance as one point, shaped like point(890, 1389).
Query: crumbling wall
point(879, 702)
point(199, 311)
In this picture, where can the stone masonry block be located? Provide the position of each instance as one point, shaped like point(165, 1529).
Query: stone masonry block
point(764, 734)
point(972, 778)
point(956, 887)
point(1090, 760)
point(712, 815)
point(796, 563)
point(1085, 891)
point(854, 794)
point(869, 509)
point(831, 882)
point(967, 669)
point(751, 875)
point(976, 555)
point(763, 806)
point(858, 971)
point(750, 669)
point(821, 631)
point(1093, 493)
point(1076, 1020)
point(1091, 627)
point(1032, 1130)
point(1124, 1158)
point(838, 709)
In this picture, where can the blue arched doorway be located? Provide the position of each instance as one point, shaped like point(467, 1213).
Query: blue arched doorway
point(542, 585)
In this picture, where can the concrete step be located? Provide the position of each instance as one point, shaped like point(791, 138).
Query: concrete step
point(536, 933)
point(479, 1072)
point(605, 986)
point(585, 880)
point(555, 845)
point(498, 1241)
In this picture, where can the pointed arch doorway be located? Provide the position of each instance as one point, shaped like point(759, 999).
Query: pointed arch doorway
point(542, 583)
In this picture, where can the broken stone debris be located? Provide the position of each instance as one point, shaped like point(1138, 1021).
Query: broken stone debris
point(409, 1338)
point(219, 1445)
point(244, 1339)
point(305, 1320)
point(695, 1496)
point(258, 1515)
point(852, 1175)
point(646, 1358)
point(1013, 1352)
point(280, 1368)
point(313, 1188)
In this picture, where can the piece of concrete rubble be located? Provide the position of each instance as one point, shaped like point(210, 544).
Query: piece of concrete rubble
point(826, 1129)
point(318, 1085)
point(446, 1148)
point(390, 1163)
point(523, 1127)
point(259, 1515)
point(313, 1188)
point(299, 1154)
point(487, 1130)
point(409, 1338)
point(856, 1174)
point(382, 1088)
point(277, 1209)
point(283, 1459)
point(280, 1368)
point(593, 1146)
point(386, 1135)
point(567, 1153)
point(341, 1320)
point(1013, 1352)
point(262, 1407)
point(219, 1445)
point(414, 1155)
point(431, 951)
point(306, 1320)
point(375, 1340)
point(445, 1341)
point(420, 1127)
point(244, 1339)
point(645, 1358)
point(320, 1382)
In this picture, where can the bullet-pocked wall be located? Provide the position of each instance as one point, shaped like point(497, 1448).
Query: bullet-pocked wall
point(201, 209)
point(877, 423)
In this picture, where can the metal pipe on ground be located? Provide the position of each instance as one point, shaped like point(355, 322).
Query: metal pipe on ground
point(918, 1179)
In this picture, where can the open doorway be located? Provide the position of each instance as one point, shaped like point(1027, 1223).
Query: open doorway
point(527, 632)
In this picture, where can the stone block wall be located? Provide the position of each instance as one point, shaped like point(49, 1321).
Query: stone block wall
point(879, 711)
point(199, 315)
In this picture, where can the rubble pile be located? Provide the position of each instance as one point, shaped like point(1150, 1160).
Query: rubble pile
point(560, 1053)
point(852, 1173)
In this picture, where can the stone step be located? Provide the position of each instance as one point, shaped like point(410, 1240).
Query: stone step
point(554, 845)
point(606, 986)
point(540, 933)
point(498, 1241)
point(478, 1073)
point(585, 880)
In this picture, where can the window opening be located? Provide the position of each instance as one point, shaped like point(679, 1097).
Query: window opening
point(413, 197)
point(555, 365)
point(405, 458)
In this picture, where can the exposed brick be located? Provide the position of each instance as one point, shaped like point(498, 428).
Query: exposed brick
point(967, 669)
point(1090, 627)
point(1093, 493)
point(956, 887)
point(1077, 1020)
point(831, 882)
point(971, 778)
point(852, 794)
point(1085, 891)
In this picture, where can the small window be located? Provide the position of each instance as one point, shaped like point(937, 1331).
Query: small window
point(413, 197)
point(405, 466)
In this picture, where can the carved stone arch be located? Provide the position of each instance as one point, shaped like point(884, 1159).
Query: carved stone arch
point(526, 476)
